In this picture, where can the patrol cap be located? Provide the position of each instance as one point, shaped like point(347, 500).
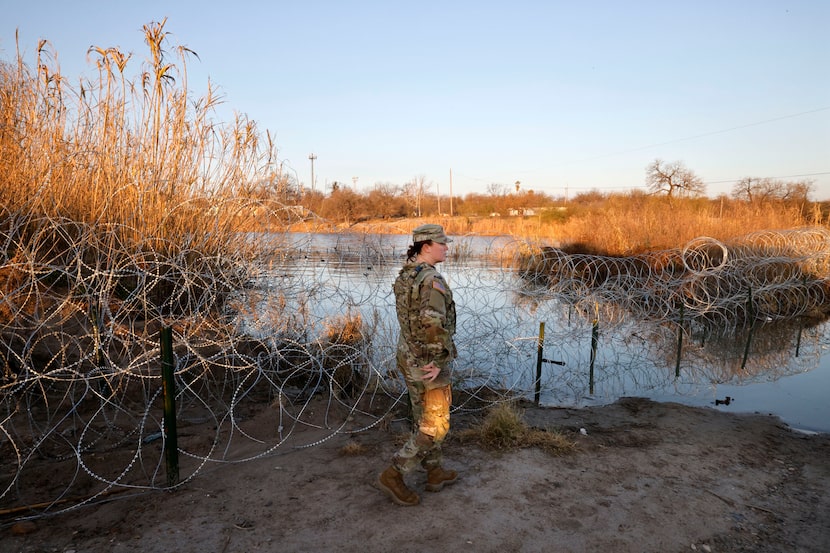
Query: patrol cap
point(430, 232)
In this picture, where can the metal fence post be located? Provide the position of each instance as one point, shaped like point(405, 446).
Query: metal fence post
point(594, 344)
point(539, 351)
point(171, 447)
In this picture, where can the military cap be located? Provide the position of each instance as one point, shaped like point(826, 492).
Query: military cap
point(430, 232)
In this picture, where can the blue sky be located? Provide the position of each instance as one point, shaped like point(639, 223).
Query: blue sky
point(564, 97)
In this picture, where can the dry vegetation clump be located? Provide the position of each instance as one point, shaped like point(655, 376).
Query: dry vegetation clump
point(347, 330)
point(353, 449)
point(504, 429)
point(344, 352)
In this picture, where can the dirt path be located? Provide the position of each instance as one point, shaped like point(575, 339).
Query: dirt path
point(656, 477)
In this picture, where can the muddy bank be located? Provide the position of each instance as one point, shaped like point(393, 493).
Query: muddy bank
point(646, 476)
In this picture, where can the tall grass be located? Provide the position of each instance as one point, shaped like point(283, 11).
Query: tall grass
point(139, 154)
point(626, 224)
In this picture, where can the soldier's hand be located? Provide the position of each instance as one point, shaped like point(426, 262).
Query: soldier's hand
point(430, 372)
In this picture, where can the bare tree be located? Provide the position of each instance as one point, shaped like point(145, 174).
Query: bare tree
point(746, 189)
point(673, 179)
point(495, 189)
point(414, 193)
point(762, 190)
point(797, 192)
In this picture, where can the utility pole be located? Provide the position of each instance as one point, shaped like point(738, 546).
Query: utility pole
point(450, 192)
point(312, 157)
point(437, 193)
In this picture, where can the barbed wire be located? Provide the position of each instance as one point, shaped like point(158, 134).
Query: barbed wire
point(291, 347)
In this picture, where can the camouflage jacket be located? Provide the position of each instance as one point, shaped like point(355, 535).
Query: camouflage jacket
point(426, 314)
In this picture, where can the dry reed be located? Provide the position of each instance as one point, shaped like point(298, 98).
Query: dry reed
point(138, 155)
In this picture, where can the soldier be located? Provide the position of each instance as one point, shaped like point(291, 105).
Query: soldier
point(426, 314)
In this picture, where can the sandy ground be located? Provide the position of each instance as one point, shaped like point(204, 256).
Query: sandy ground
point(655, 477)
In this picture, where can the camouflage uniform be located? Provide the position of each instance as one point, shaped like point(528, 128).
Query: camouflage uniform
point(426, 314)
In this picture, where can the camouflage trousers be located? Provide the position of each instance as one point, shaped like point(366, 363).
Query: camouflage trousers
point(430, 425)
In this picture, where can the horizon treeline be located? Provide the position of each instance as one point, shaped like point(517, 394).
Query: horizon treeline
point(618, 223)
point(343, 203)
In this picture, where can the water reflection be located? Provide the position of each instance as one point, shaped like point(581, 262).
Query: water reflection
point(764, 276)
point(639, 351)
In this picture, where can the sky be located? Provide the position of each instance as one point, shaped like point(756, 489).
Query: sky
point(561, 97)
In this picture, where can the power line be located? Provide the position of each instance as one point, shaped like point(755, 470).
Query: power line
point(778, 177)
point(711, 133)
point(675, 140)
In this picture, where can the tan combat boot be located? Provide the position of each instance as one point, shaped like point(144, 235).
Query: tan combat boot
point(437, 478)
point(391, 481)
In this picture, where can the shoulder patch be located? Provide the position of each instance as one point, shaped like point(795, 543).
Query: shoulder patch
point(439, 285)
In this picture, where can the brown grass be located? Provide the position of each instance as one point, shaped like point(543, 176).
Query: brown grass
point(344, 345)
point(353, 449)
point(504, 429)
point(348, 330)
point(626, 224)
point(139, 154)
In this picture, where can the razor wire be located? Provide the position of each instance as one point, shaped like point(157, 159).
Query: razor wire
point(296, 344)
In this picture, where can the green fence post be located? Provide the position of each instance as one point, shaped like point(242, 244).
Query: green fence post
point(751, 312)
point(171, 447)
point(798, 338)
point(594, 344)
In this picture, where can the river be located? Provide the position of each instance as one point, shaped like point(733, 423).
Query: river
point(782, 371)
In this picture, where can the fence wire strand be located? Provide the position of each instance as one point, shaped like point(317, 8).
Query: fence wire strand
point(291, 347)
